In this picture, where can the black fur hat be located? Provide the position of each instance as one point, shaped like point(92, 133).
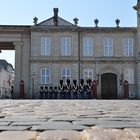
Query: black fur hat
point(68, 81)
point(82, 81)
point(74, 81)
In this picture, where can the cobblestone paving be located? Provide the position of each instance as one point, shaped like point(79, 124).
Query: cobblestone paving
point(70, 120)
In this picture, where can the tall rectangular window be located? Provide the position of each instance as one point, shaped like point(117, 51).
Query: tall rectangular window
point(45, 75)
point(87, 46)
point(65, 74)
point(129, 75)
point(88, 74)
point(108, 47)
point(45, 46)
point(128, 46)
point(65, 46)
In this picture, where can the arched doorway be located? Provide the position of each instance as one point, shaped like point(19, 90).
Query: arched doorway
point(109, 86)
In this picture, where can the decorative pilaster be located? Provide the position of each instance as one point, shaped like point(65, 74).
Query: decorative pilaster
point(138, 80)
point(18, 67)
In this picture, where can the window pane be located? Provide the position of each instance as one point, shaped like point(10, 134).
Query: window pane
point(45, 76)
point(108, 46)
point(43, 71)
point(88, 74)
point(128, 47)
point(87, 47)
point(45, 46)
point(65, 73)
point(66, 46)
point(43, 80)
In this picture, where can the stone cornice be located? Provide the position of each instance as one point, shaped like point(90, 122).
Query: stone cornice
point(85, 29)
point(16, 28)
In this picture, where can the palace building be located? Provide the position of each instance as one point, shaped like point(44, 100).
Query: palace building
point(57, 49)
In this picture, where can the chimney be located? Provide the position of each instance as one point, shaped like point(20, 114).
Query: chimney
point(55, 17)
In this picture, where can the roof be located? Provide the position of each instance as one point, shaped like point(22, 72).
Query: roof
point(4, 64)
point(61, 22)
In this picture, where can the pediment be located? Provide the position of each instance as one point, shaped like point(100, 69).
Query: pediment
point(61, 22)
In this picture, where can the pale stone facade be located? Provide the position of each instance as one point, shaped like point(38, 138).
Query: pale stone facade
point(110, 50)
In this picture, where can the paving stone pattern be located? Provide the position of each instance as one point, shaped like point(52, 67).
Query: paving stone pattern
point(70, 120)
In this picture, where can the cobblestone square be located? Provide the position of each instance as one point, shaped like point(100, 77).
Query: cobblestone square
point(70, 119)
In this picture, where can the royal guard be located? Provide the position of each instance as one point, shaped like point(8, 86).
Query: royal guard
point(46, 93)
point(64, 94)
point(89, 88)
point(51, 92)
point(55, 93)
point(75, 89)
point(60, 89)
point(81, 89)
point(85, 91)
point(41, 92)
point(68, 89)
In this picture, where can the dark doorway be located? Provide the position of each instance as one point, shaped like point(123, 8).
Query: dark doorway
point(109, 86)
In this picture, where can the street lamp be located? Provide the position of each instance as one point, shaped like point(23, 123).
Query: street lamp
point(121, 79)
point(97, 79)
point(33, 78)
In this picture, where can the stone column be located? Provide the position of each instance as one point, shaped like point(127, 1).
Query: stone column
point(18, 68)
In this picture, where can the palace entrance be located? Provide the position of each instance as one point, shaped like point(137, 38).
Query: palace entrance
point(109, 86)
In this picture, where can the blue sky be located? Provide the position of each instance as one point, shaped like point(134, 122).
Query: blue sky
point(22, 12)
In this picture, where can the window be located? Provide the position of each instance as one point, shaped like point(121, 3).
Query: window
point(128, 46)
point(88, 74)
point(45, 75)
point(65, 74)
point(108, 46)
point(129, 75)
point(45, 46)
point(66, 46)
point(87, 47)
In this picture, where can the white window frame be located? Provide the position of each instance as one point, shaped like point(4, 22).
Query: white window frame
point(46, 46)
point(88, 73)
point(128, 46)
point(66, 45)
point(65, 74)
point(108, 46)
point(87, 46)
point(129, 75)
point(45, 77)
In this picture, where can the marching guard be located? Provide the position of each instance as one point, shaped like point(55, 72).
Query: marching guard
point(41, 92)
point(61, 89)
point(89, 88)
point(46, 93)
point(68, 89)
point(82, 89)
point(75, 89)
point(55, 93)
point(51, 92)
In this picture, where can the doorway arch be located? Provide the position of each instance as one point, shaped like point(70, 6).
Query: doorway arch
point(109, 86)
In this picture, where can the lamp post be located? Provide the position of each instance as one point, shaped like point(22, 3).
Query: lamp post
point(97, 79)
point(121, 79)
point(33, 78)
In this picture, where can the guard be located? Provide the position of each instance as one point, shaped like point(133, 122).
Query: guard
point(81, 89)
point(51, 92)
point(89, 87)
point(46, 93)
point(75, 89)
point(60, 89)
point(68, 89)
point(55, 93)
point(41, 92)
